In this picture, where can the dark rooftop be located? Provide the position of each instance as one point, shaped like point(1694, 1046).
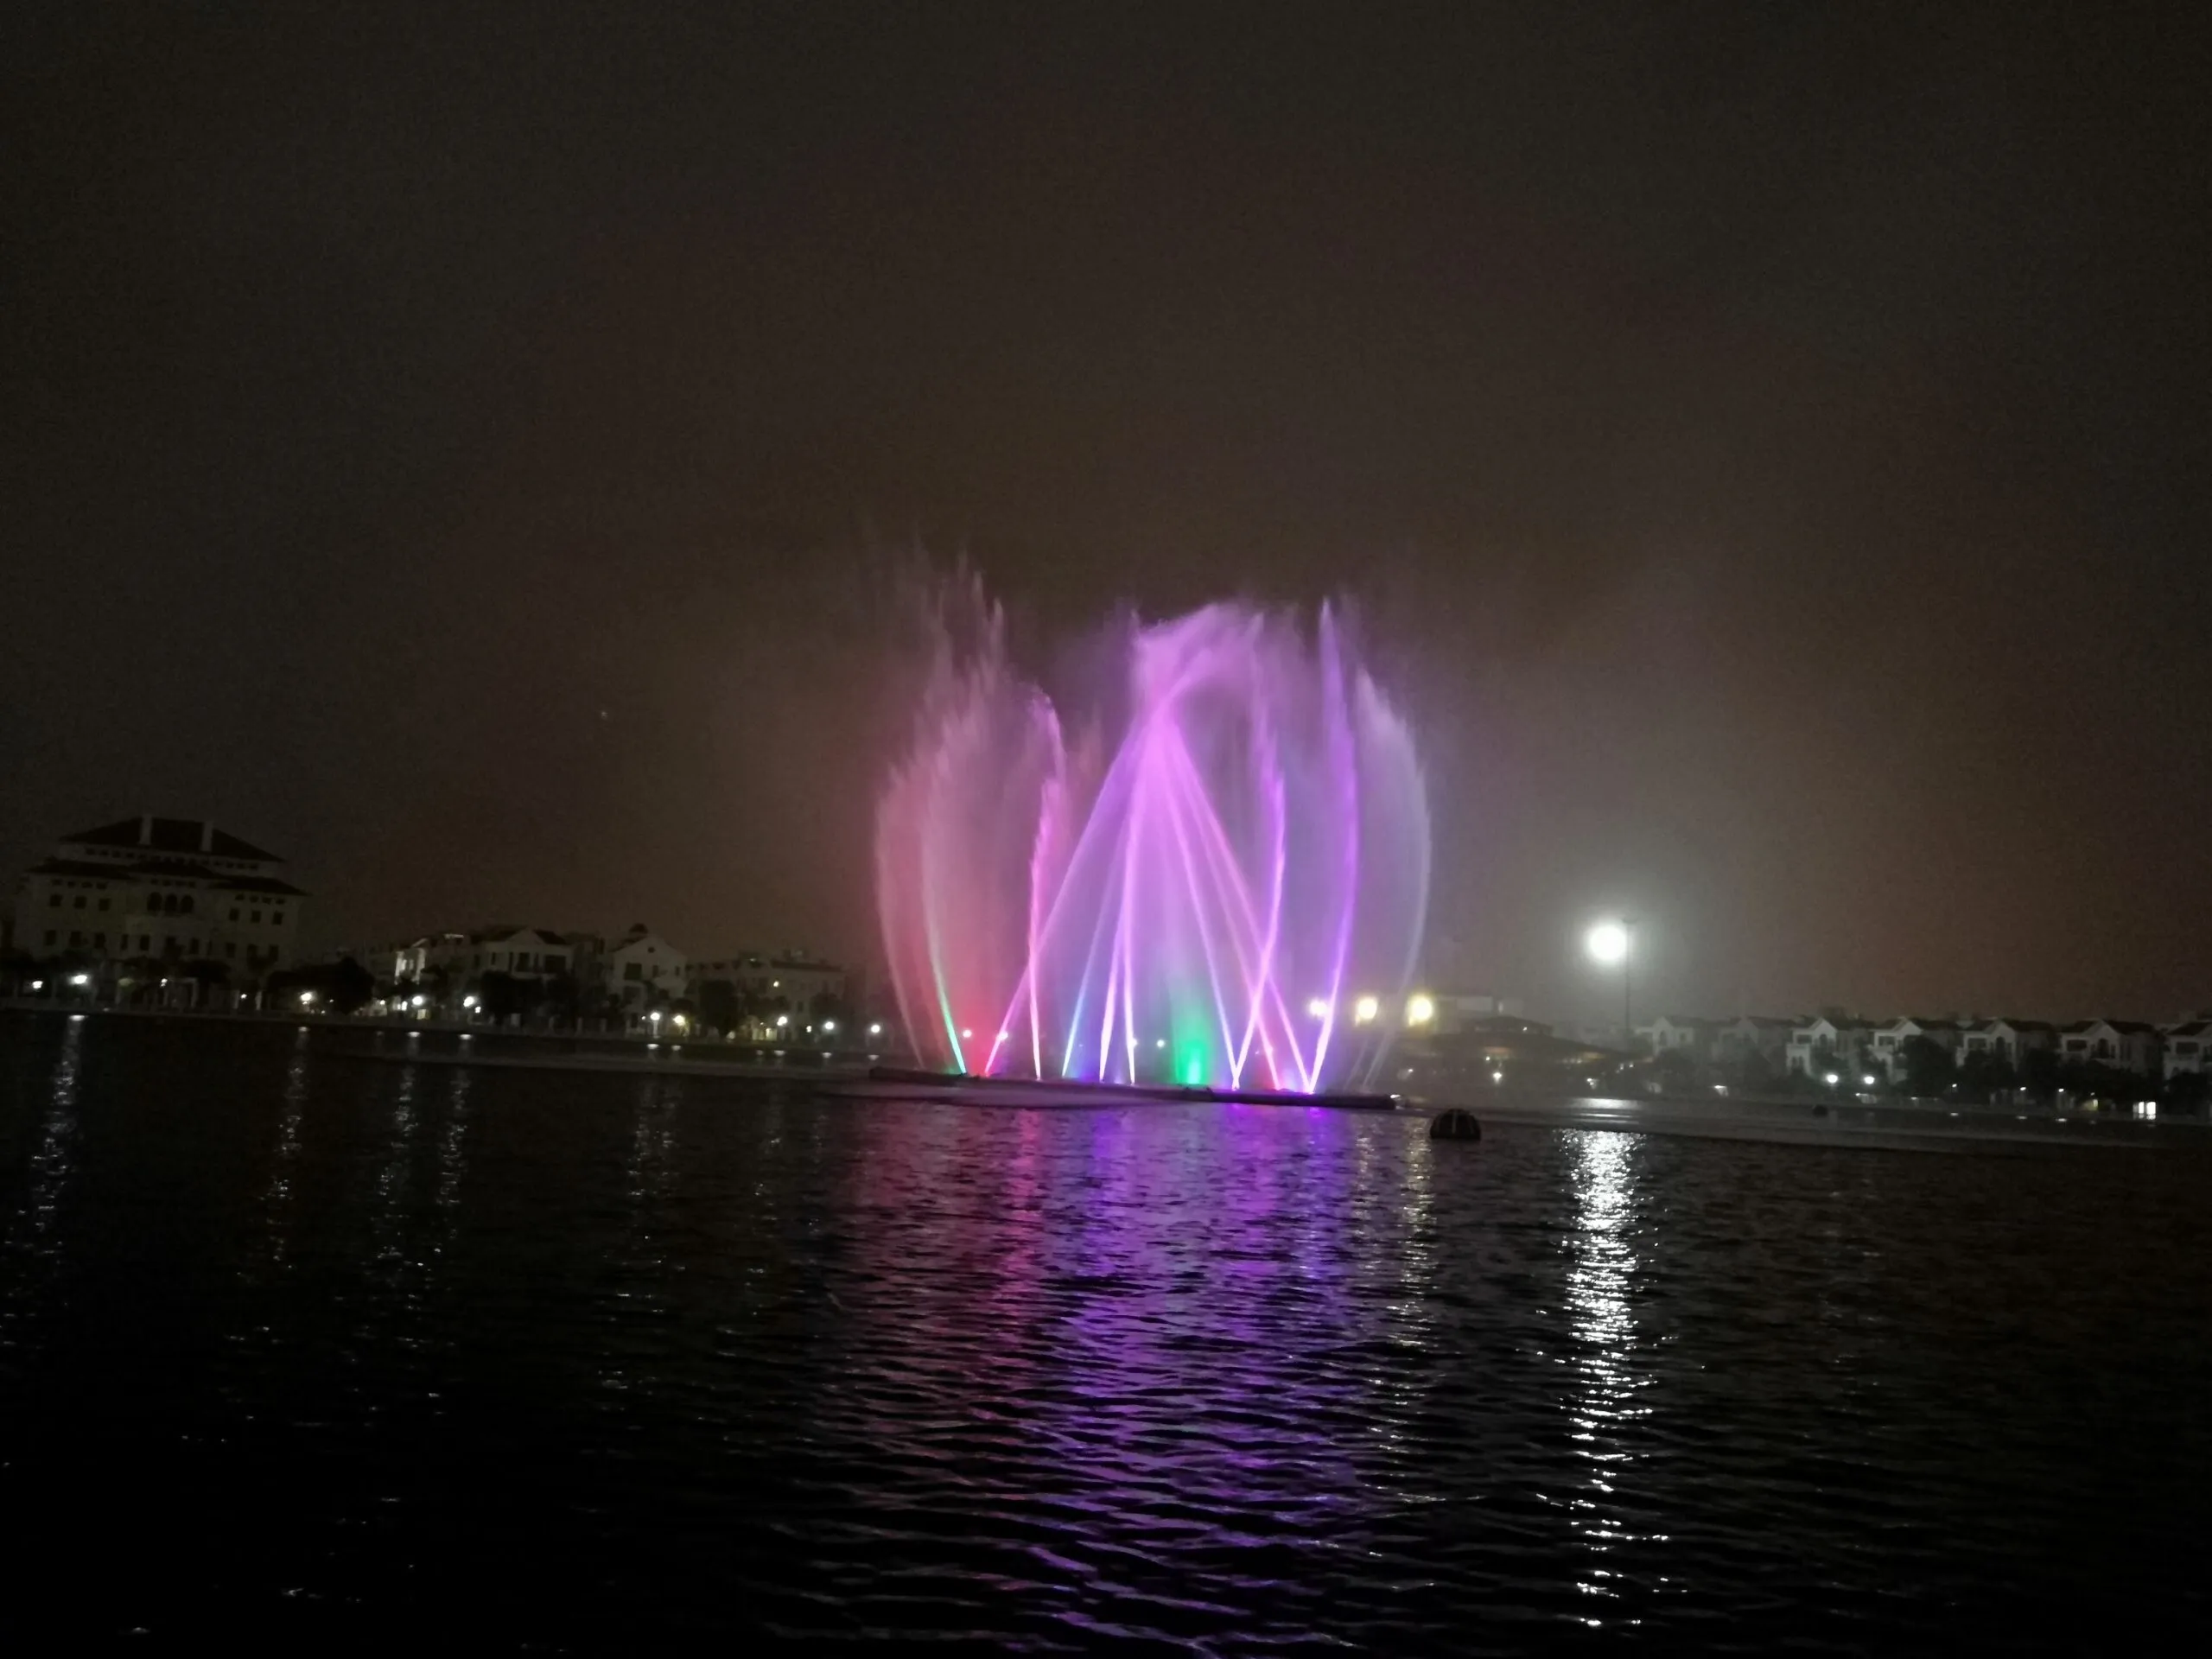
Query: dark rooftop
point(171, 836)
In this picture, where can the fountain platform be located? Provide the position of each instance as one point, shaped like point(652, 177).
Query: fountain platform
point(1051, 1091)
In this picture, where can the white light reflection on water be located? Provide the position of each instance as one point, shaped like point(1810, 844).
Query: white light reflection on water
point(32, 1230)
point(1602, 1401)
point(643, 1296)
point(277, 1197)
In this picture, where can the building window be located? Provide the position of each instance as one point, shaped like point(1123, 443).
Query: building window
point(76, 939)
point(231, 951)
point(234, 912)
point(103, 902)
point(53, 901)
point(99, 941)
point(80, 901)
point(630, 970)
point(257, 918)
point(145, 942)
point(49, 936)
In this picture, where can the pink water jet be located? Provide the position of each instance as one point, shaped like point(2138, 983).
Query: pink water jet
point(1211, 869)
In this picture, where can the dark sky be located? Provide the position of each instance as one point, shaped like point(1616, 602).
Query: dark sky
point(456, 448)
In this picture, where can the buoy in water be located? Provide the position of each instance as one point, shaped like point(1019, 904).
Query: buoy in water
point(1455, 1125)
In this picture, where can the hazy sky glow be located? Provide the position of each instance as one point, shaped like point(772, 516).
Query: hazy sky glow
point(1766, 449)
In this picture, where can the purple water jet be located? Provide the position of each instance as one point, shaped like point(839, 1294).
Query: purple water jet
point(1213, 871)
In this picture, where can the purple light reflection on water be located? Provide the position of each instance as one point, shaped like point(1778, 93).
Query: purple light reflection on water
point(1125, 1312)
point(1190, 883)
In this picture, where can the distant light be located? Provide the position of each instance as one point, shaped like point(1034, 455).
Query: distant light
point(1364, 1010)
point(875, 1031)
point(1608, 942)
point(81, 979)
point(469, 1002)
point(1498, 1077)
point(307, 999)
point(1867, 1081)
point(966, 1035)
point(1318, 1007)
point(422, 1001)
point(1160, 1042)
point(783, 1020)
point(1834, 1080)
point(1420, 1008)
point(38, 984)
point(829, 1025)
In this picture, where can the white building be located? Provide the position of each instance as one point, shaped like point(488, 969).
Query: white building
point(793, 979)
point(640, 965)
point(2128, 1044)
point(1830, 1044)
point(1733, 1041)
point(522, 952)
point(2189, 1047)
point(2009, 1041)
point(1888, 1048)
point(1684, 1035)
point(168, 889)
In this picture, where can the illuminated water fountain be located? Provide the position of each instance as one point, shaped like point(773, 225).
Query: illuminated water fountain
point(1209, 867)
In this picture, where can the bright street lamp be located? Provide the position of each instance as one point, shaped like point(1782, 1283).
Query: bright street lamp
point(1420, 1008)
point(1364, 1010)
point(1614, 942)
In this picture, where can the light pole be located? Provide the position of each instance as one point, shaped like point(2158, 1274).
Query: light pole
point(1613, 944)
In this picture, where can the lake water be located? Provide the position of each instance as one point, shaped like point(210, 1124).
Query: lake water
point(301, 1347)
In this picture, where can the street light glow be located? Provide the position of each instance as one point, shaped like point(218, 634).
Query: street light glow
point(1317, 1007)
point(1608, 942)
point(1364, 1010)
point(1420, 1008)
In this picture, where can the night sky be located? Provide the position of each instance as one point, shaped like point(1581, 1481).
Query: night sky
point(464, 449)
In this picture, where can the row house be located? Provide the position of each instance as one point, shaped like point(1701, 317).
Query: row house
point(2189, 1047)
point(1888, 1048)
point(640, 967)
point(2127, 1045)
point(1679, 1034)
point(523, 952)
point(793, 979)
point(2009, 1040)
point(1735, 1040)
point(1720, 1042)
point(1830, 1042)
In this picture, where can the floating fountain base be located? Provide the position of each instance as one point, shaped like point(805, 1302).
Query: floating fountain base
point(1034, 1091)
